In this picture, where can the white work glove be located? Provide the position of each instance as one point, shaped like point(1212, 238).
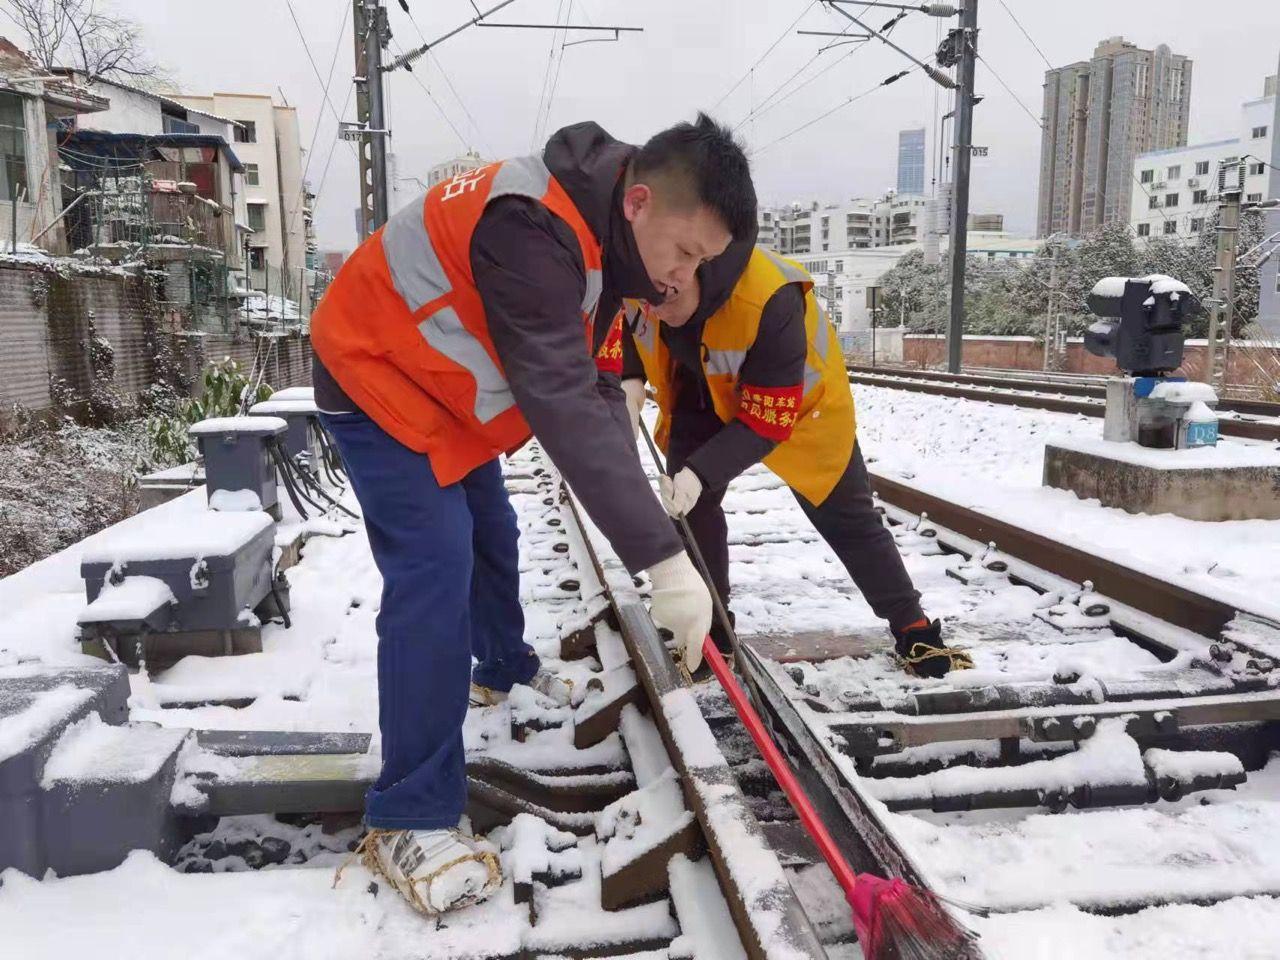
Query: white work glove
point(682, 604)
point(680, 493)
point(634, 389)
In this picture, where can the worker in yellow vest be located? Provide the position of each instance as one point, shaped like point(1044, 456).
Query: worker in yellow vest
point(745, 368)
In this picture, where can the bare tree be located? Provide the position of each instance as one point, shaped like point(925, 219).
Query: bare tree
point(83, 34)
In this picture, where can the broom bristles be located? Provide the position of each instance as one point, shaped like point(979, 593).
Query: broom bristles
point(907, 923)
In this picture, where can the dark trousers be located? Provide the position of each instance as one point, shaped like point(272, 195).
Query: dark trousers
point(846, 520)
point(450, 589)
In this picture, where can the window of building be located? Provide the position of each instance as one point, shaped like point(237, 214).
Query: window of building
point(1153, 202)
point(246, 132)
point(1147, 176)
point(1254, 198)
point(1171, 226)
point(1200, 196)
point(178, 125)
point(257, 217)
point(1197, 224)
point(1255, 169)
point(1259, 133)
point(1202, 168)
point(1144, 229)
point(13, 146)
point(257, 258)
point(251, 174)
point(839, 266)
point(1170, 199)
point(1175, 172)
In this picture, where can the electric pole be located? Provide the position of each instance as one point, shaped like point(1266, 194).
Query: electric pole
point(372, 32)
point(1051, 326)
point(1222, 307)
point(966, 38)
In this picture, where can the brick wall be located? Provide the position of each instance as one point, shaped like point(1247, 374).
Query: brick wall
point(1251, 365)
point(48, 323)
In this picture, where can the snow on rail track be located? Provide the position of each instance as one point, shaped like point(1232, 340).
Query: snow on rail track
point(1180, 876)
point(1231, 422)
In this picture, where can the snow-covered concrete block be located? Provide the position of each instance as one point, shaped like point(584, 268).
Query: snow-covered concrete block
point(640, 833)
point(597, 716)
point(1231, 481)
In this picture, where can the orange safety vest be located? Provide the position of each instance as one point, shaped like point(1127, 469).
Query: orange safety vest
point(813, 423)
point(403, 331)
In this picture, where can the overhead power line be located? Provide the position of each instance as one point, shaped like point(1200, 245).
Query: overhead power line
point(431, 55)
point(839, 106)
point(435, 103)
point(765, 105)
point(315, 133)
point(1009, 90)
point(782, 36)
point(1017, 23)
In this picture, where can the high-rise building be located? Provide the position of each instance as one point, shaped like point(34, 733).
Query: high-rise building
point(911, 160)
point(1098, 115)
point(1269, 278)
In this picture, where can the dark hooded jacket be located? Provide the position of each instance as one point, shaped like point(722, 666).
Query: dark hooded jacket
point(528, 270)
point(776, 359)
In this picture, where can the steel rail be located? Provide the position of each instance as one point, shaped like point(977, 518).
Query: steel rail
point(1020, 380)
point(1248, 429)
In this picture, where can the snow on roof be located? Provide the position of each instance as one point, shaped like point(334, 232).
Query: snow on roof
point(201, 534)
point(216, 425)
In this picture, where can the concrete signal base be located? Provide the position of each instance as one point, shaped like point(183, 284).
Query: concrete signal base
point(1231, 481)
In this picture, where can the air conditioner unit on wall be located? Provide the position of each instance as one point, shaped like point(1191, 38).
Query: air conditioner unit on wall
point(1193, 181)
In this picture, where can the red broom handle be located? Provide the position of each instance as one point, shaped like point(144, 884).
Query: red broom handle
point(781, 769)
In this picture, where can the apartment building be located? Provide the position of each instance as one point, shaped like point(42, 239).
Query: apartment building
point(1097, 116)
point(1177, 190)
point(911, 160)
point(814, 227)
point(267, 141)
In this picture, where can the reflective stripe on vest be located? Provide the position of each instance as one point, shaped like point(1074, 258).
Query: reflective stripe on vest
point(725, 361)
point(445, 332)
point(415, 268)
point(821, 342)
point(420, 278)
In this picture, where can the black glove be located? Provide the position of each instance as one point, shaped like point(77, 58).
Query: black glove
point(922, 653)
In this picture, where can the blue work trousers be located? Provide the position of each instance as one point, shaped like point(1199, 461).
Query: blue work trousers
point(448, 557)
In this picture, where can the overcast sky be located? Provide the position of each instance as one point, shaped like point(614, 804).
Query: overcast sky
point(691, 53)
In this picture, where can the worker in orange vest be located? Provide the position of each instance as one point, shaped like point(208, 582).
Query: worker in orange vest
point(746, 367)
point(476, 317)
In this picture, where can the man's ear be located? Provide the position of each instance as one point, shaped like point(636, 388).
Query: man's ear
point(634, 199)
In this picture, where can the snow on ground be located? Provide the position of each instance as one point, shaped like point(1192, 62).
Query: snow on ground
point(320, 675)
point(991, 457)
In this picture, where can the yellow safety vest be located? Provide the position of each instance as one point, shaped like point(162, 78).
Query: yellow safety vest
point(819, 415)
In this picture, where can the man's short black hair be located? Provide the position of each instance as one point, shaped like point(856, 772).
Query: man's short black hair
point(705, 156)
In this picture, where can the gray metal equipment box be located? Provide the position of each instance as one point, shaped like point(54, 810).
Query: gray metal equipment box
point(301, 440)
point(218, 565)
point(237, 456)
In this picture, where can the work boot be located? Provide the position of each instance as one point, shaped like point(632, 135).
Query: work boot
point(921, 652)
point(558, 690)
point(435, 870)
